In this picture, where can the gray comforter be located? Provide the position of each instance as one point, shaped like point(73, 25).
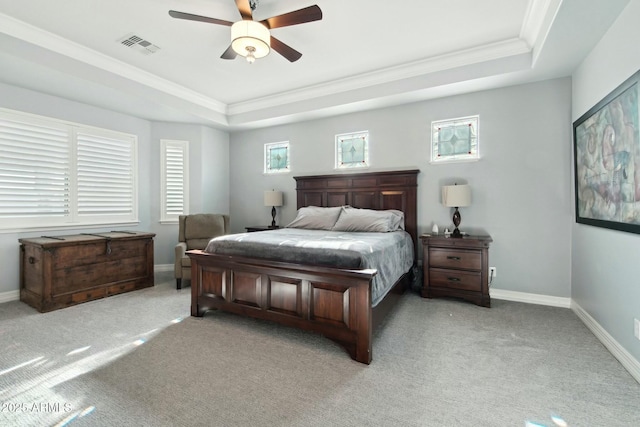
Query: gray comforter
point(391, 254)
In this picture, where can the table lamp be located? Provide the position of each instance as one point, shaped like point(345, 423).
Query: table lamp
point(456, 196)
point(273, 198)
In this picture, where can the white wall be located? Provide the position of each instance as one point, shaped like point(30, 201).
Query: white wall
point(209, 178)
point(520, 188)
point(215, 171)
point(605, 267)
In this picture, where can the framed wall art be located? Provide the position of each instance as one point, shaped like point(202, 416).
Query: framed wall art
point(455, 140)
point(607, 161)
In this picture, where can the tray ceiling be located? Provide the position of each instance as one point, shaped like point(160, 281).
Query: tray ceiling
point(362, 54)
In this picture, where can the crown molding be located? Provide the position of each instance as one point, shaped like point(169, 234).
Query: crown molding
point(537, 23)
point(36, 36)
point(489, 52)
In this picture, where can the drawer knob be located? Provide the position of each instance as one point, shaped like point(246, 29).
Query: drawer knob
point(32, 260)
point(453, 279)
point(455, 258)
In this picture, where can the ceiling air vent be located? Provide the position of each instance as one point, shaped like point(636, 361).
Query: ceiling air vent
point(138, 43)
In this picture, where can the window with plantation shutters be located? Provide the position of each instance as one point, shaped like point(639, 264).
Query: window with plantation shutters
point(175, 179)
point(105, 175)
point(55, 173)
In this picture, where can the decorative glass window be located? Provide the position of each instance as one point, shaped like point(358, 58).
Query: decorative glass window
point(276, 157)
point(455, 139)
point(352, 150)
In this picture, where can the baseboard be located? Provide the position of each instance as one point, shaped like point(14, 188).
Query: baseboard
point(624, 357)
point(9, 296)
point(530, 298)
point(162, 268)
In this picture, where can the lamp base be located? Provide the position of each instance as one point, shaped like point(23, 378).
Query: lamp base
point(456, 221)
point(273, 217)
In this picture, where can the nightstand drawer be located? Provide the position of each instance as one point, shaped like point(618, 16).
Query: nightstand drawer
point(470, 281)
point(455, 258)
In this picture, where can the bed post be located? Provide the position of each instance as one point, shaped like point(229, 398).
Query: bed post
point(363, 324)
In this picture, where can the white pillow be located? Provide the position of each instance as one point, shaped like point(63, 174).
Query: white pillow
point(316, 218)
point(369, 220)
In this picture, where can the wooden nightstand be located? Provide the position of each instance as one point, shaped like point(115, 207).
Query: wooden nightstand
point(457, 267)
point(253, 228)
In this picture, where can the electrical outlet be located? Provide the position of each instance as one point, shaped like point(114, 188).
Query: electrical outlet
point(636, 328)
point(492, 273)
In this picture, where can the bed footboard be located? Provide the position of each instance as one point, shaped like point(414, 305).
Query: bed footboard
point(333, 302)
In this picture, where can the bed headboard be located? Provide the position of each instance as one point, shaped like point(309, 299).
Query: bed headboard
point(369, 190)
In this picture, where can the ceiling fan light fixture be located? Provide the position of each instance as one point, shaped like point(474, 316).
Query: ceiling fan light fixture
point(250, 39)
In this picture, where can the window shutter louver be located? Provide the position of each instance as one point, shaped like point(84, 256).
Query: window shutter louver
point(175, 179)
point(34, 170)
point(105, 176)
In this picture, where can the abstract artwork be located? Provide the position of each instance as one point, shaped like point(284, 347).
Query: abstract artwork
point(607, 161)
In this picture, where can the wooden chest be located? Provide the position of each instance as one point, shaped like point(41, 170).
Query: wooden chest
point(59, 271)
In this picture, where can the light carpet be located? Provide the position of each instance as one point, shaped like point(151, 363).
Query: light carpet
point(435, 363)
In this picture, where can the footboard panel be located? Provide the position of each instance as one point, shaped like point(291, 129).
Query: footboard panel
point(335, 303)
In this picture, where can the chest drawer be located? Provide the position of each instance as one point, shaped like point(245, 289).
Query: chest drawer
point(455, 258)
point(455, 279)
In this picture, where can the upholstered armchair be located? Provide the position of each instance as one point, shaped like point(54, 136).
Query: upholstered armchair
point(194, 232)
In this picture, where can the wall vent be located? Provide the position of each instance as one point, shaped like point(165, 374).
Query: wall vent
point(139, 44)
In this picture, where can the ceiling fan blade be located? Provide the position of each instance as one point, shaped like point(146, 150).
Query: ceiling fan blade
point(229, 53)
point(245, 9)
point(285, 50)
point(192, 17)
point(301, 16)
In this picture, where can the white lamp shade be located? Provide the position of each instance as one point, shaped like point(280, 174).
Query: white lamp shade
point(456, 196)
point(250, 36)
point(273, 198)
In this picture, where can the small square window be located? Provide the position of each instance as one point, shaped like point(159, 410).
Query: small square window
point(455, 140)
point(352, 150)
point(276, 157)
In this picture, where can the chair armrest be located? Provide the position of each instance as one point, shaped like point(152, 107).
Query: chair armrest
point(180, 250)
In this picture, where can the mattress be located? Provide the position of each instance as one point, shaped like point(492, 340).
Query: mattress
point(390, 254)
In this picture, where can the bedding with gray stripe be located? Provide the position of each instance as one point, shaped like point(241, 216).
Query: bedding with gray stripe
point(391, 254)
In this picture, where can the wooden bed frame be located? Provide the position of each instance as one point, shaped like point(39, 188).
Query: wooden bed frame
point(333, 302)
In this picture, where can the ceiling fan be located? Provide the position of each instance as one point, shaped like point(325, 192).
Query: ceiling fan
point(252, 39)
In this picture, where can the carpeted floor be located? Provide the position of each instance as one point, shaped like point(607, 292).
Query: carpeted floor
point(138, 359)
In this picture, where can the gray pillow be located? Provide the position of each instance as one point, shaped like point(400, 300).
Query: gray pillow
point(369, 220)
point(399, 222)
point(316, 218)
